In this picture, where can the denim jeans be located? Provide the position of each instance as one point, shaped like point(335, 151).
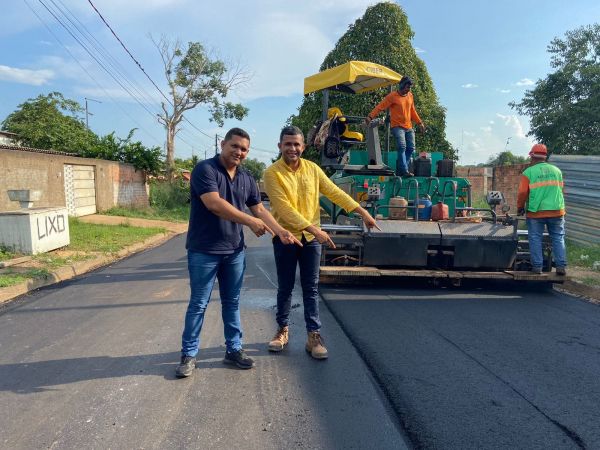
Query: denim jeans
point(556, 230)
point(204, 268)
point(287, 257)
point(405, 144)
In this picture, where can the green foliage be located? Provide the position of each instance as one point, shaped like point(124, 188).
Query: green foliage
point(125, 150)
point(564, 107)
point(505, 159)
point(187, 164)
point(255, 167)
point(382, 36)
point(169, 195)
point(582, 256)
point(51, 122)
point(195, 78)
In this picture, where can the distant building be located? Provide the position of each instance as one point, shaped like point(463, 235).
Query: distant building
point(8, 138)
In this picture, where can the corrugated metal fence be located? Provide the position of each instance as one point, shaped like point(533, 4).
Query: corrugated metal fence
point(582, 196)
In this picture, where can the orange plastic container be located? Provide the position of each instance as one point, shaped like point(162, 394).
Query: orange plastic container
point(439, 211)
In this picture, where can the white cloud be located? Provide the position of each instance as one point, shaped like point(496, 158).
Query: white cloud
point(491, 122)
point(470, 86)
point(486, 129)
point(503, 91)
point(468, 133)
point(419, 50)
point(513, 122)
point(524, 82)
point(46, 43)
point(26, 76)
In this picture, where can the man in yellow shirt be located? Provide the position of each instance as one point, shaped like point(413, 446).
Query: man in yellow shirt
point(402, 114)
point(293, 186)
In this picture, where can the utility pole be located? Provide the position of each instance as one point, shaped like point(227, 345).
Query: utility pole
point(87, 113)
point(216, 144)
point(507, 141)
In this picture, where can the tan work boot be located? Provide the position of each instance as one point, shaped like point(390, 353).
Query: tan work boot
point(280, 340)
point(314, 345)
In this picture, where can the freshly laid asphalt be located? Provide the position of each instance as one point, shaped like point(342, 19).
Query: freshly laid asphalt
point(90, 363)
point(481, 368)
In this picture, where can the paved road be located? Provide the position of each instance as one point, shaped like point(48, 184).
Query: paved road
point(89, 364)
point(477, 368)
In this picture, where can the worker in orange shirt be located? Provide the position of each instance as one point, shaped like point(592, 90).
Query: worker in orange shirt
point(403, 113)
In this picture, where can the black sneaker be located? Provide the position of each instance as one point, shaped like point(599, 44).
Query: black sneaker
point(239, 359)
point(536, 270)
point(561, 271)
point(185, 367)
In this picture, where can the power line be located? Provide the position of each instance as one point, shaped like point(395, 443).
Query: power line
point(141, 68)
point(95, 59)
point(88, 73)
point(128, 52)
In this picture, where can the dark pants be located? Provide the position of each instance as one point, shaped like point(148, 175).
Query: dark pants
point(287, 257)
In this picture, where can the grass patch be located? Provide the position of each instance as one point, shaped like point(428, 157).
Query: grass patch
point(6, 254)
point(582, 256)
point(590, 281)
point(173, 214)
point(11, 278)
point(88, 237)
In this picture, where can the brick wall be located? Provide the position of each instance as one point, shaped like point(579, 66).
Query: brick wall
point(480, 179)
point(500, 178)
point(129, 187)
point(506, 180)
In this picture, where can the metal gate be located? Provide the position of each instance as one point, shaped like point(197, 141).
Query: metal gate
point(80, 190)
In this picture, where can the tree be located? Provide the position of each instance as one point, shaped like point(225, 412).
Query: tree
point(564, 107)
point(505, 159)
point(382, 36)
point(51, 122)
point(195, 78)
point(255, 167)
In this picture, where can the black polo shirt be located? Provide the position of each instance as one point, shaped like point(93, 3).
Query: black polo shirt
point(208, 233)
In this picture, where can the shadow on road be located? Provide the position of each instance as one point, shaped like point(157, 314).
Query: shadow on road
point(52, 375)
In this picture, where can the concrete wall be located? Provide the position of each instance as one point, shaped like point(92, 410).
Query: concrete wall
point(116, 183)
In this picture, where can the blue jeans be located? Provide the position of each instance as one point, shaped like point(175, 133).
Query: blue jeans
point(556, 230)
point(405, 144)
point(204, 268)
point(308, 257)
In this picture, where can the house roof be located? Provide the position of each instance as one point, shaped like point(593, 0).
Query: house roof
point(35, 150)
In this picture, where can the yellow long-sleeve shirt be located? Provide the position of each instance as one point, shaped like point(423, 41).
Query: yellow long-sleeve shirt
point(402, 109)
point(294, 195)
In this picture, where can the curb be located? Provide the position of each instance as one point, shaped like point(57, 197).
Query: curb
point(589, 293)
point(78, 268)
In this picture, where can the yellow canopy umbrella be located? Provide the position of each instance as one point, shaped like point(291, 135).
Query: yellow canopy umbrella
point(354, 77)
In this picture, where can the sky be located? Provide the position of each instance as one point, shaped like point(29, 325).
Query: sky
point(480, 54)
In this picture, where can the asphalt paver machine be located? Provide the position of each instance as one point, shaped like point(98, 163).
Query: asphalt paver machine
point(429, 227)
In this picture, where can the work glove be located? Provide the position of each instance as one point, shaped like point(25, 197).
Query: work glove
point(521, 212)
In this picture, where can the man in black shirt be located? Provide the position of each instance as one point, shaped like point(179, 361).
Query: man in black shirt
point(220, 192)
